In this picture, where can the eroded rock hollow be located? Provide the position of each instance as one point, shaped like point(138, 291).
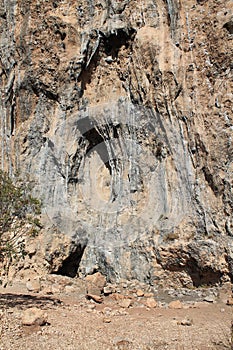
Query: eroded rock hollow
point(120, 112)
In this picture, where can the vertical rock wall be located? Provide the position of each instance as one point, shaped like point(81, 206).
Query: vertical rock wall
point(120, 112)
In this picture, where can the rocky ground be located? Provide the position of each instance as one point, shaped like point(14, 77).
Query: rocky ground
point(56, 312)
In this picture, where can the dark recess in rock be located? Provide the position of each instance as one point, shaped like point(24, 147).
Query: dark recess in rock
point(229, 26)
point(214, 182)
point(3, 15)
point(71, 264)
point(201, 1)
point(96, 137)
point(37, 87)
point(202, 276)
point(62, 35)
point(106, 44)
point(113, 42)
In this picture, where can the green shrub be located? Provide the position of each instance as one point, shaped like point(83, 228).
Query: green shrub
point(18, 217)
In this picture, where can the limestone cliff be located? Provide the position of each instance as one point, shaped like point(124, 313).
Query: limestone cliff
point(120, 112)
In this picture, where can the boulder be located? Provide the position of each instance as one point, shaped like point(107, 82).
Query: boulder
point(125, 303)
point(34, 316)
point(95, 283)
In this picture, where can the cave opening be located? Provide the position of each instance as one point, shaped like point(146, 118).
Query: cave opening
point(202, 276)
point(70, 265)
point(116, 40)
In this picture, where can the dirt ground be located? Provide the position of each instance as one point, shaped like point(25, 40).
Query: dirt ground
point(75, 323)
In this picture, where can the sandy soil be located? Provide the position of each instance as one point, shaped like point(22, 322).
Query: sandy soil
point(79, 324)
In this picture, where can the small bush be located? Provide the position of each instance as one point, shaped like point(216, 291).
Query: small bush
point(18, 217)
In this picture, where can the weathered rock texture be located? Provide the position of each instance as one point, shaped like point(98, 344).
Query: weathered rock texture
point(120, 112)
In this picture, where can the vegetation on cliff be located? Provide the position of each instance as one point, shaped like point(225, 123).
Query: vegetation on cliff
point(18, 217)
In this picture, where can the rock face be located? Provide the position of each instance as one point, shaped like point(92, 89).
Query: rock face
point(120, 112)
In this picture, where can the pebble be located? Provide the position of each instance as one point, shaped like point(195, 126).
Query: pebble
point(91, 306)
point(107, 320)
point(209, 299)
point(107, 311)
point(108, 290)
point(33, 286)
point(125, 303)
point(34, 316)
point(186, 322)
point(140, 293)
point(175, 304)
point(151, 303)
point(148, 295)
point(95, 298)
point(230, 301)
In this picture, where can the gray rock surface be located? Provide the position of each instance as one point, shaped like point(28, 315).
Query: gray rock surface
point(120, 114)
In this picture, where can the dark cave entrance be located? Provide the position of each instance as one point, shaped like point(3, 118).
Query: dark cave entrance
point(70, 265)
point(116, 40)
point(205, 276)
